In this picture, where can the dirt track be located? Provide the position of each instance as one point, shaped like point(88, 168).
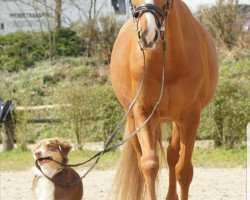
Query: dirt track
point(208, 184)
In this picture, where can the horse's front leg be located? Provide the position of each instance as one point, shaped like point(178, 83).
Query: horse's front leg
point(149, 161)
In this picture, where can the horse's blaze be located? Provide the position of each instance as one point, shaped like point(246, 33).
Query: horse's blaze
point(152, 29)
point(149, 32)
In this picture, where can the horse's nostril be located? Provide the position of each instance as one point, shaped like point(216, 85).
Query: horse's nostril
point(139, 34)
point(156, 36)
point(148, 41)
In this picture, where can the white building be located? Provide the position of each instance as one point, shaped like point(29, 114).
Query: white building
point(38, 15)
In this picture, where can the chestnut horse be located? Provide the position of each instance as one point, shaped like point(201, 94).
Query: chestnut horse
point(191, 74)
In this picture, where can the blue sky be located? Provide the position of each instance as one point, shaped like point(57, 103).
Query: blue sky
point(192, 4)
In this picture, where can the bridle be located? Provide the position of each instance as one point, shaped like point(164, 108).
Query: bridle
point(160, 15)
point(137, 13)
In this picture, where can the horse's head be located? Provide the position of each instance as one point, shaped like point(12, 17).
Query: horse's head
point(149, 17)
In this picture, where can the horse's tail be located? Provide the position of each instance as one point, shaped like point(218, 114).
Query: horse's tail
point(128, 184)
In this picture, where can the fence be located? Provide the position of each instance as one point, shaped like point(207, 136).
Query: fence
point(7, 118)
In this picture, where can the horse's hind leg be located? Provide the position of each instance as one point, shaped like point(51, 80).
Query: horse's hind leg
point(173, 157)
point(184, 169)
point(149, 161)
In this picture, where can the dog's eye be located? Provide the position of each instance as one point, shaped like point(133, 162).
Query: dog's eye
point(52, 147)
point(35, 148)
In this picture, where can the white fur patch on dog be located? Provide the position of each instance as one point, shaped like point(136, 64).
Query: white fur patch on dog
point(45, 188)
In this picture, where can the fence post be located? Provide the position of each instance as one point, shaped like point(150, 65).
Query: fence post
point(8, 133)
point(248, 160)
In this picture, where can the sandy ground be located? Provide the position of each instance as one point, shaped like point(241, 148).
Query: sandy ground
point(208, 184)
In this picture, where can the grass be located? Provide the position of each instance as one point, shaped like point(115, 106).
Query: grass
point(18, 160)
point(15, 160)
point(220, 157)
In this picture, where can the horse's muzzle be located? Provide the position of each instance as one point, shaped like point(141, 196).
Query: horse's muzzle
point(146, 42)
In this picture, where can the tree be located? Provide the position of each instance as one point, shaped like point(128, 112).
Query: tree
point(58, 14)
point(221, 20)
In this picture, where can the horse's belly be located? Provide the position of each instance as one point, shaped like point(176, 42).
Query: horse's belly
point(119, 66)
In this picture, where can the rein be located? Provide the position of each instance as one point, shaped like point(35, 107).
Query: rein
point(143, 8)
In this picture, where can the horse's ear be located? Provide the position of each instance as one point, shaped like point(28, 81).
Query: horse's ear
point(64, 146)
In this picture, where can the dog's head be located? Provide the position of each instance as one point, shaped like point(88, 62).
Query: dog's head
point(47, 150)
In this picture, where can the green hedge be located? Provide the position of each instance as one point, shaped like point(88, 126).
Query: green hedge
point(68, 43)
point(95, 38)
point(20, 50)
point(226, 118)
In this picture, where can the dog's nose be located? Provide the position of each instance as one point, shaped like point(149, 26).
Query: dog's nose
point(38, 154)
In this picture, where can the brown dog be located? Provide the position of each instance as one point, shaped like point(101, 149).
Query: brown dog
point(44, 189)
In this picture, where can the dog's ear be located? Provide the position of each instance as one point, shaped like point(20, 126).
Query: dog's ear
point(64, 146)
